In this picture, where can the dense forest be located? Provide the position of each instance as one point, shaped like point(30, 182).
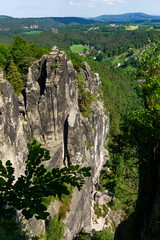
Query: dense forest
point(110, 42)
point(131, 99)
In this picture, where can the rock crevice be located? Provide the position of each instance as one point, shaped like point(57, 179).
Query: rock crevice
point(50, 112)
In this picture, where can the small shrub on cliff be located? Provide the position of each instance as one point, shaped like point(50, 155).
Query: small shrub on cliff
point(84, 237)
point(103, 235)
point(97, 210)
point(65, 203)
point(48, 200)
point(78, 62)
point(96, 235)
point(55, 229)
point(85, 99)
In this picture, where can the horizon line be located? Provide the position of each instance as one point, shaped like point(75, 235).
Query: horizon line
point(115, 14)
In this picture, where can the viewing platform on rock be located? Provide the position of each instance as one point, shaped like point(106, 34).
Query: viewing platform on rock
point(54, 51)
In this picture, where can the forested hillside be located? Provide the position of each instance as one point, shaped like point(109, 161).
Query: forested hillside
point(10, 23)
point(140, 139)
point(128, 17)
point(130, 95)
point(117, 91)
point(101, 38)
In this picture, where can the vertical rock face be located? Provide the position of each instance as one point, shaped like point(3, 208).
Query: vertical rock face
point(13, 146)
point(51, 95)
point(50, 112)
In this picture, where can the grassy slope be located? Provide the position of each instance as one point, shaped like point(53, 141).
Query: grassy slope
point(132, 27)
point(32, 32)
point(78, 48)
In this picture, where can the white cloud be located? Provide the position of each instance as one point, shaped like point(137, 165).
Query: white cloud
point(94, 3)
point(121, 1)
point(108, 2)
point(76, 4)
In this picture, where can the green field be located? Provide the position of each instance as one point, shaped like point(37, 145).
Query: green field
point(79, 48)
point(132, 27)
point(32, 32)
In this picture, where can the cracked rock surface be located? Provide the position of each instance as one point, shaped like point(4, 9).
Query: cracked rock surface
point(49, 111)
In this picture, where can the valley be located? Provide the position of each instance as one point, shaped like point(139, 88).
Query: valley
point(80, 98)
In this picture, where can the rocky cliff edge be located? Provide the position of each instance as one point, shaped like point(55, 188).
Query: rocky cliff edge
point(49, 111)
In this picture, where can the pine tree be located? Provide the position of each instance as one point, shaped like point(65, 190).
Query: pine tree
point(14, 77)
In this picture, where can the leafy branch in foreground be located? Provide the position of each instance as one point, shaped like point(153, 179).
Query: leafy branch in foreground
point(27, 191)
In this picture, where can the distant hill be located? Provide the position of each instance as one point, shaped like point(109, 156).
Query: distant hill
point(72, 20)
point(4, 16)
point(10, 23)
point(127, 17)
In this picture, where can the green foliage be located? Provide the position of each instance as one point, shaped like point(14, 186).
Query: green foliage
point(18, 42)
point(48, 200)
point(54, 65)
point(32, 32)
point(100, 211)
point(110, 40)
point(55, 229)
point(148, 70)
point(19, 49)
point(140, 131)
point(27, 192)
point(96, 235)
point(107, 180)
point(116, 204)
point(103, 235)
point(4, 55)
point(97, 210)
point(105, 209)
point(78, 62)
point(65, 202)
point(79, 48)
point(99, 57)
point(16, 60)
point(10, 230)
point(24, 54)
point(14, 77)
point(118, 91)
point(137, 144)
point(85, 98)
point(64, 198)
point(131, 27)
point(122, 179)
point(84, 237)
point(24, 64)
point(42, 236)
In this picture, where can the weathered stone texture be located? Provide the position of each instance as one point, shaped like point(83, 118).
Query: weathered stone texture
point(49, 111)
point(13, 146)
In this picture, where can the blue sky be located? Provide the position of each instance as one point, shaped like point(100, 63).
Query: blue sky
point(78, 8)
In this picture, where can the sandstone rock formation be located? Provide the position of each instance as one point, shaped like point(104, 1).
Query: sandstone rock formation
point(49, 111)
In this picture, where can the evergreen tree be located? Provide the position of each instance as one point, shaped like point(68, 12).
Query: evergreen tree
point(14, 77)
